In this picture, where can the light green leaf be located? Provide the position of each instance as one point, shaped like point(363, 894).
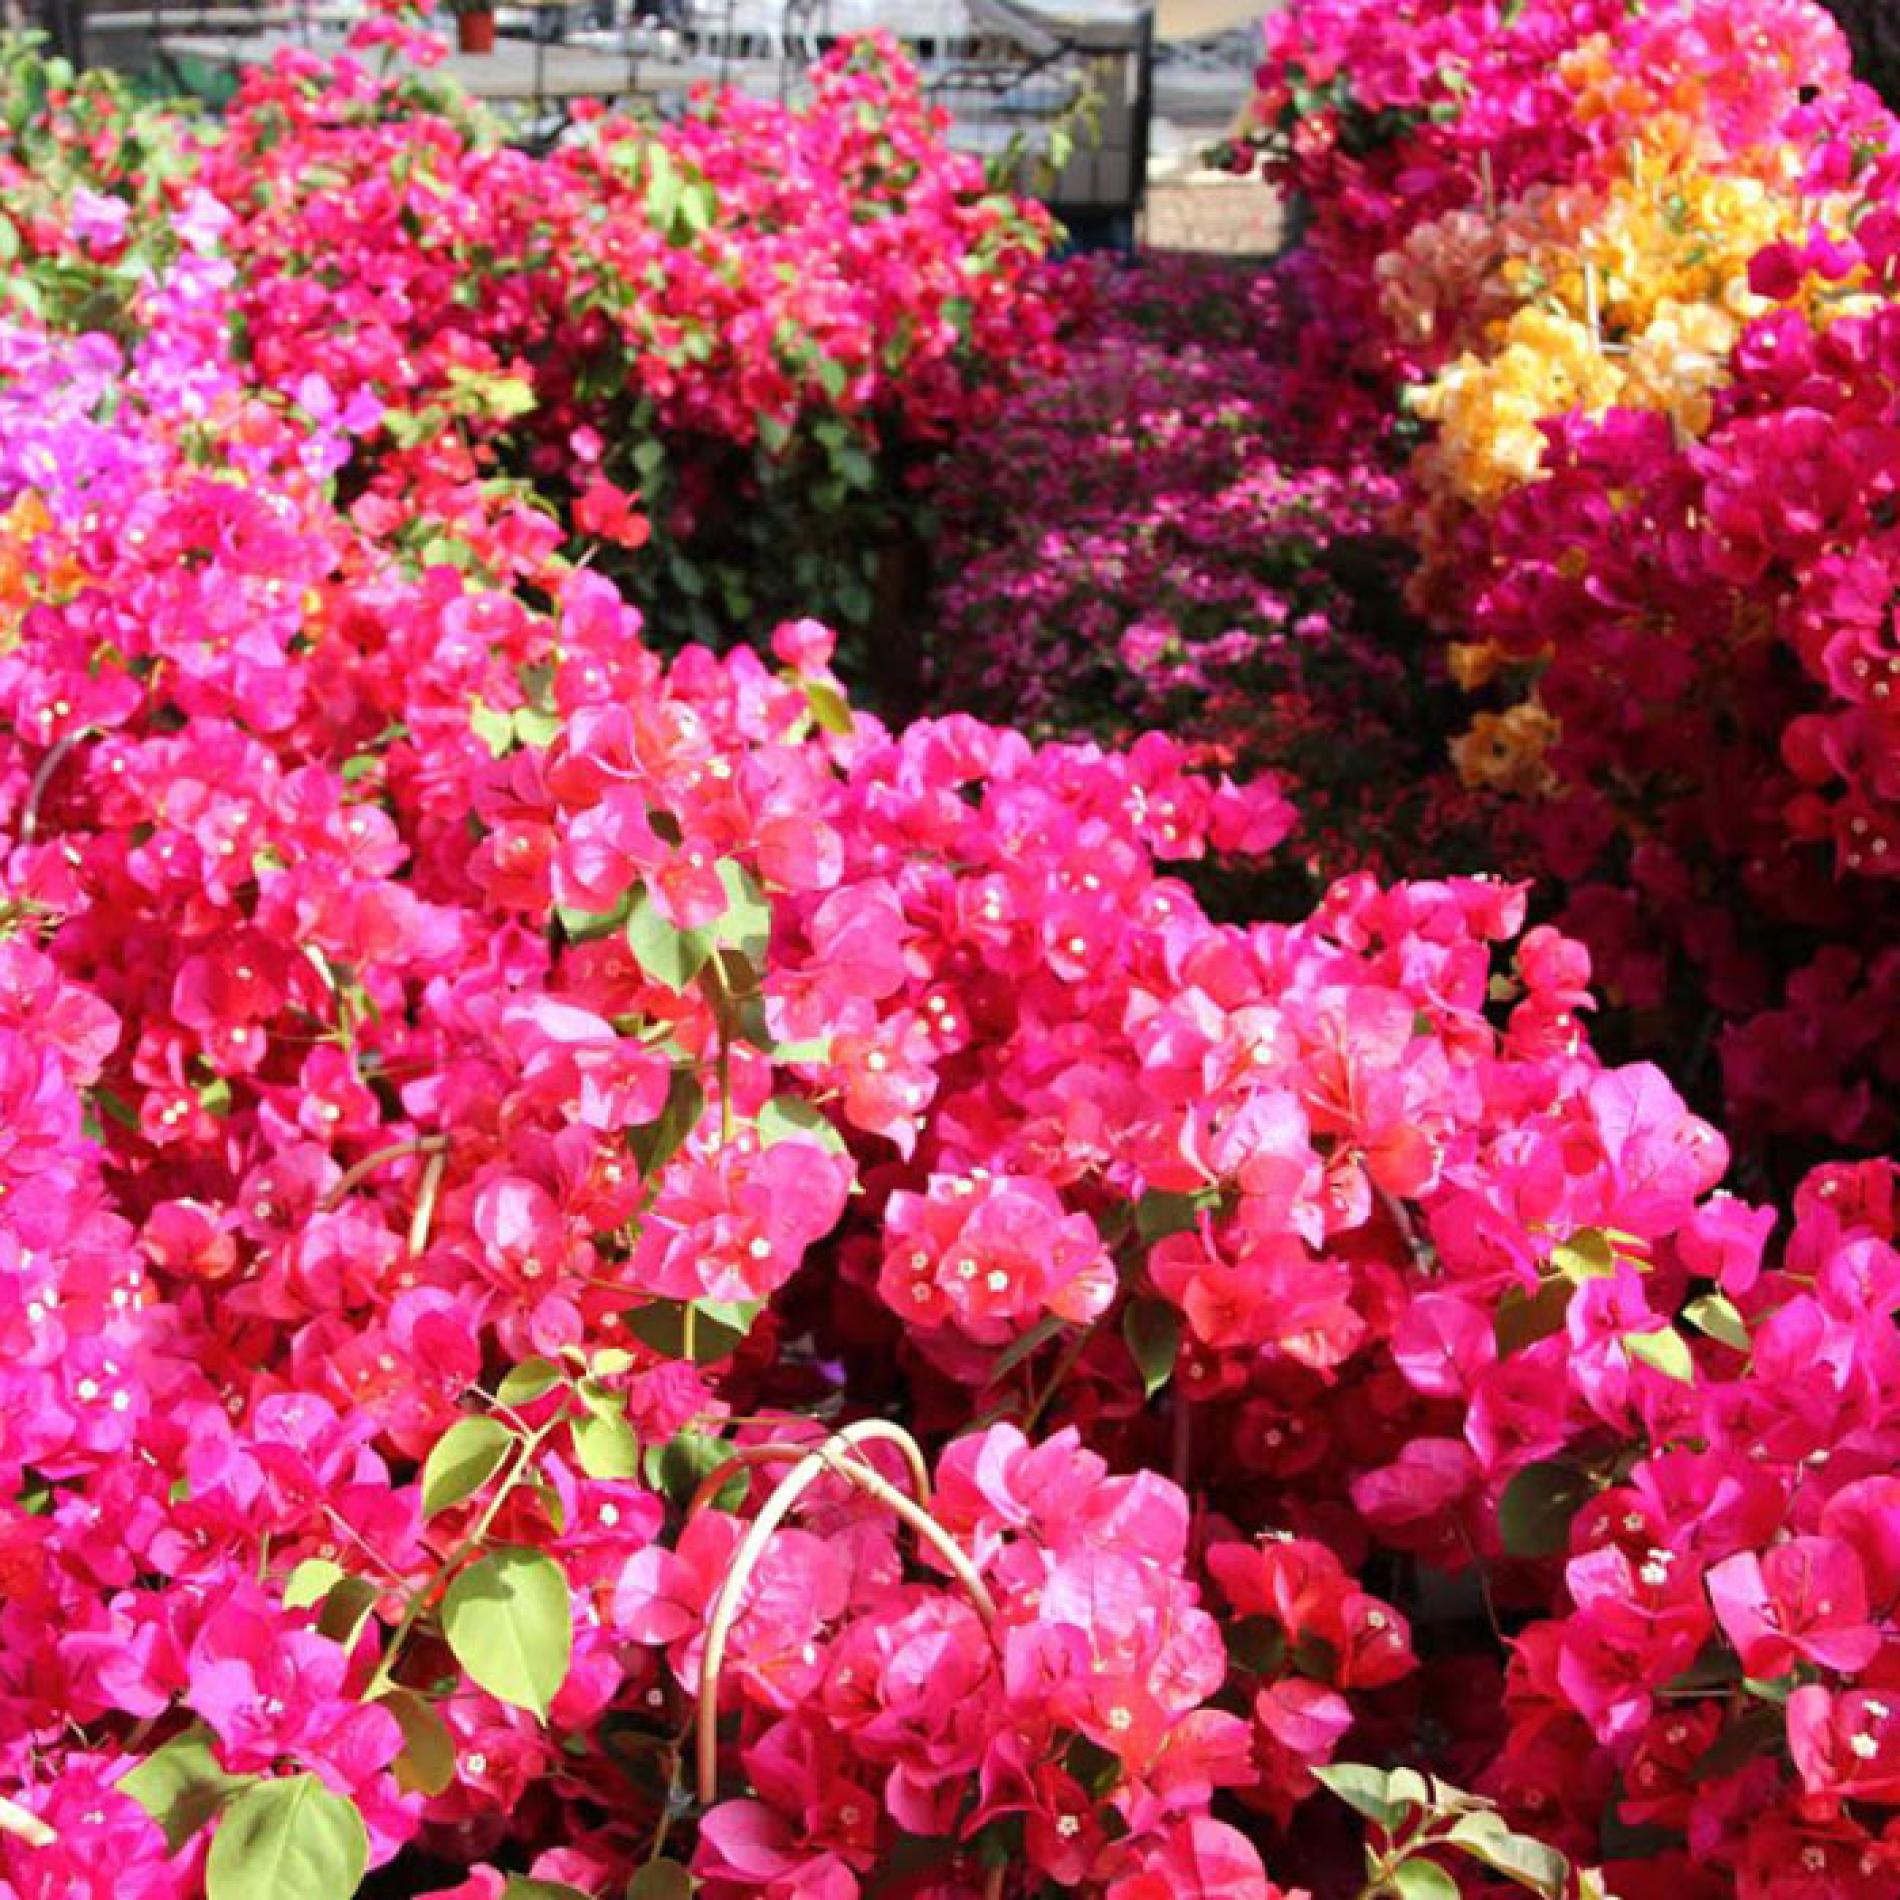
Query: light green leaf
point(496, 730)
point(182, 1785)
point(287, 1840)
point(787, 1118)
point(1407, 1788)
point(1666, 1351)
point(508, 1623)
point(830, 710)
point(1423, 1880)
point(535, 728)
point(1587, 1255)
point(1719, 1318)
point(1486, 1838)
point(1365, 1790)
point(664, 186)
point(747, 923)
point(606, 1446)
point(584, 926)
point(531, 1380)
point(466, 1456)
point(311, 1582)
point(669, 956)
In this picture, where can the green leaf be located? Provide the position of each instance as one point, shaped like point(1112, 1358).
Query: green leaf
point(1423, 1880)
point(1407, 1788)
point(585, 926)
point(344, 1601)
point(1159, 1213)
point(1365, 1790)
point(1535, 1511)
point(461, 1461)
point(1587, 1255)
point(1666, 1351)
point(830, 710)
point(1522, 1319)
point(287, 1840)
point(698, 204)
point(182, 1785)
point(1256, 1644)
point(1024, 1345)
point(606, 1446)
point(789, 1118)
point(532, 1379)
point(805, 1050)
point(664, 186)
point(1489, 1840)
point(520, 1887)
point(1719, 1319)
point(346, 1609)
point(427, 1762)
point(1152, 1329)
point(719, 1327)
point(685, 1461)
point(535, 728)
point(496, 730)
point(747, 923)
point(655, 1143)
point(311, 1582)
point(508, 1623)
point(669, 956)
point(660, 1880)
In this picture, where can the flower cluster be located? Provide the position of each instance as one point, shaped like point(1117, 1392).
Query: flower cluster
point(1653, 354)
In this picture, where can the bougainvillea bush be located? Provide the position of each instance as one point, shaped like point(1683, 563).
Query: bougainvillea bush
point(617, 1279)
point(1634, 266)
point(762, 320)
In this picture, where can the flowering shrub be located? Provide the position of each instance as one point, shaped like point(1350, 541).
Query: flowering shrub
point(740, 332)
point(613, 1274)
point(1635, 267)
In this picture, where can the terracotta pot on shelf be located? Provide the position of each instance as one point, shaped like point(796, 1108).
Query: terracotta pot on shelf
point(475, 32)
